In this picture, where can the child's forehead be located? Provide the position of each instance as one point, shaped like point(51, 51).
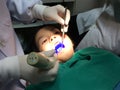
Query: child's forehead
point(46, 31)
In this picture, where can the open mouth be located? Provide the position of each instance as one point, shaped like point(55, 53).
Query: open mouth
point(58, 47)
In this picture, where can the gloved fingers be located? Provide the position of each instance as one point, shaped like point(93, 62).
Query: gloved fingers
point(36, 75)
point(60, 8)
point(54, 69)
point(67, 18)
point(64, 15)
point(64, 28)
point(53, 15)
point(50, 74)
point(58, 19)
point(45, 75)
point(57, 13)
point(53, 59)
point(49, 53)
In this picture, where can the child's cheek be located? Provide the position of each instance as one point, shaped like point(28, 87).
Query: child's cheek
point(48, 47)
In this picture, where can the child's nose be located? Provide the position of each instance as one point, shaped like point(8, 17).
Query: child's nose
point(52, 38)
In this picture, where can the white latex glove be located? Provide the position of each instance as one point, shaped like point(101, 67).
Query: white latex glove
point(9, 69)
point(36, 75)
point(54, 13)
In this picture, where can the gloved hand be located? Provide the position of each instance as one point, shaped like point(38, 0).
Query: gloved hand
point(36, 75)
point(54, 13)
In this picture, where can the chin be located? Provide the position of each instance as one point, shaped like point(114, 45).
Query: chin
point(62, 57)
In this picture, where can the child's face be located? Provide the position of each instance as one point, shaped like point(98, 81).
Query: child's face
point(47, 38)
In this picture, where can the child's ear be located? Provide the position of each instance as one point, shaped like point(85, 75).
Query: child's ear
point(73, 44)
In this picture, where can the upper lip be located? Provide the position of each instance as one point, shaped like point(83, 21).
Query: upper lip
point(56, 43)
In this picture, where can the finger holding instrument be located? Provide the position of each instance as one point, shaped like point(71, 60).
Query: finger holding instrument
point(65, 26)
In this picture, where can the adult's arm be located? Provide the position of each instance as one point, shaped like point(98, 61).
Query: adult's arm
point(16, 67)
point(21, 9)
point(28, 10)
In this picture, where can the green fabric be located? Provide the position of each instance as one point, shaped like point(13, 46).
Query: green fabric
point(89, 69)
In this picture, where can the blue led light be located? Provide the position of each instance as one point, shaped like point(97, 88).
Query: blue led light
point(59, 47)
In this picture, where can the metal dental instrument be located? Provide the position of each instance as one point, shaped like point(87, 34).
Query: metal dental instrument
point(60, 45)
point(63, 27)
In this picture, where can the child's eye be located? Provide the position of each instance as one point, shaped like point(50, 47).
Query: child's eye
point(57, 32)
point(44, 41)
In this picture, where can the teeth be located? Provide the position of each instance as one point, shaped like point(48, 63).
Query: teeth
point(59, 49)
